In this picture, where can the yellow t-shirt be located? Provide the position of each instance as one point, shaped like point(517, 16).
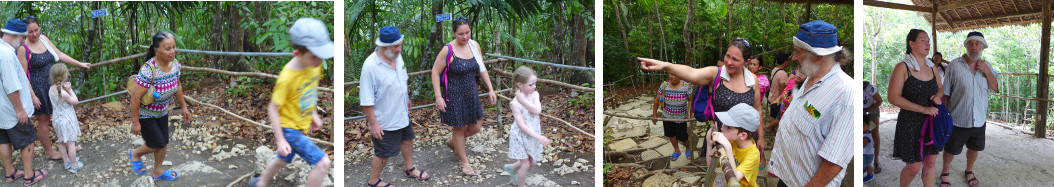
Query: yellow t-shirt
point(295, 93)
point(749, 160)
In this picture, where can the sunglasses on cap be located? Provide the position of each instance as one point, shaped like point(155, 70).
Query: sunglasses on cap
point(459, 18)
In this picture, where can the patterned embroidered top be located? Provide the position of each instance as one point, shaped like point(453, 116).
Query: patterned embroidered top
point(675, 101)
point(165, 84)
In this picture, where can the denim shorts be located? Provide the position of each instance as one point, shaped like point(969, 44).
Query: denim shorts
point(302, 146)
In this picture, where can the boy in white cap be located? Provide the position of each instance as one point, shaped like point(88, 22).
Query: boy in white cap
point(292, 109)
point(740, 123)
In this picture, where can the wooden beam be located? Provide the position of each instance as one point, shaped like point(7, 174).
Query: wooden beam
point(955, 5)
point(1025, 22)
point(898, 6)
point(994, 17)
point(1043, 81)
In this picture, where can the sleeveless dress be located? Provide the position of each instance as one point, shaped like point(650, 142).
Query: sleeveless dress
point(461, 93)
point(39, 68)
point(725, 98)
point(64, 118)
point(909, 123)
point(522, 145)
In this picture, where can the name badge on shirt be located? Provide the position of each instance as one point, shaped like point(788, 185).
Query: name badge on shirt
point(812, 110)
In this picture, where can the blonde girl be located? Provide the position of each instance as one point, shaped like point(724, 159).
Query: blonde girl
point(525, 139)
point(67, 128)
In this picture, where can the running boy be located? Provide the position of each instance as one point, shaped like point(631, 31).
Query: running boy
point(292, 109)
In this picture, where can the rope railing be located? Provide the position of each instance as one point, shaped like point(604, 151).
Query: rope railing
point(227, 53)
point(646, 118)
point(232, 73)
point(424, 72)
point(268, 127)
point(111, 61)
point(558, 119)
point(208, 70)
point(543, 63)
point(507, 74)
point(547, 81)
point(426, 106)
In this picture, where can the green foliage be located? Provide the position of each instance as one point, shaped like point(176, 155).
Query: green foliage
point(656, 29)
point(520, 28)
point(241, 89)
point(585, 99)
point(130, 25)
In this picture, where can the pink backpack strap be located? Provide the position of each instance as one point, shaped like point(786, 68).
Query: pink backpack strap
point(709, 111)
point(28, 53)
point(922, 143)
point(449, 57)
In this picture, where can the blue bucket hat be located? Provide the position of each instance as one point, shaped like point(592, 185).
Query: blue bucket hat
point(975, 36)
point(389, 36)
point(15, 27)
point(818, 37)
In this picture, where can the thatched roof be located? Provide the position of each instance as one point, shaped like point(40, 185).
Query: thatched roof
point(959, 15)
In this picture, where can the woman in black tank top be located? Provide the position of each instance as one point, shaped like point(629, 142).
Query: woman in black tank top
point(914, 92)
point(731, 90)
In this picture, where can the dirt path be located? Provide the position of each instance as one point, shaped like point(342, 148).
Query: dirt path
point(197, 154)
point(488, 153)
point(1010, 158)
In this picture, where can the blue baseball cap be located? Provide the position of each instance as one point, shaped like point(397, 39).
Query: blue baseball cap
point(389, 36)
point(15, 27)
point(818, 37)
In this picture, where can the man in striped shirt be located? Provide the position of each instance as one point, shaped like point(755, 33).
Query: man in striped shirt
point(815, 139)
point(967, 82)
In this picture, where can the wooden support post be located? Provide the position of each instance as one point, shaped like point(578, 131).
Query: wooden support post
point(933, 27)
point(1043, 80)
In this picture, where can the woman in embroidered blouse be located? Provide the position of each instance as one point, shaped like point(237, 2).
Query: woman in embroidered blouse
point(162, 72)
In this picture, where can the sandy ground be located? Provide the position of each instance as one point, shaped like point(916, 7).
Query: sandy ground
point(1010, 158)
point(191, 154)
point(487, 151)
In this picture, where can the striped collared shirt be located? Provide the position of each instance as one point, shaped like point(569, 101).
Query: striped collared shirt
point(817, 126)
point(384, 88)
point(968, 93)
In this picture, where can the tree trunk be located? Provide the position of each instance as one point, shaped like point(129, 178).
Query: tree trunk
point(217, 27)
point(625, 40)
point(686, 35)
point(237, 36)
point(662, 31)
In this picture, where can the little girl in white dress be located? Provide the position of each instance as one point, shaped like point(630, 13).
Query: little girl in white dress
point(525, 139)
point(64, 117)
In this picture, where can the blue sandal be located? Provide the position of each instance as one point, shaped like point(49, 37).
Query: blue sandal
point(673, 157)
point(688, 154)
point(136, 165)
point(168, 175)
point(512, 173)
point(252, 182)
